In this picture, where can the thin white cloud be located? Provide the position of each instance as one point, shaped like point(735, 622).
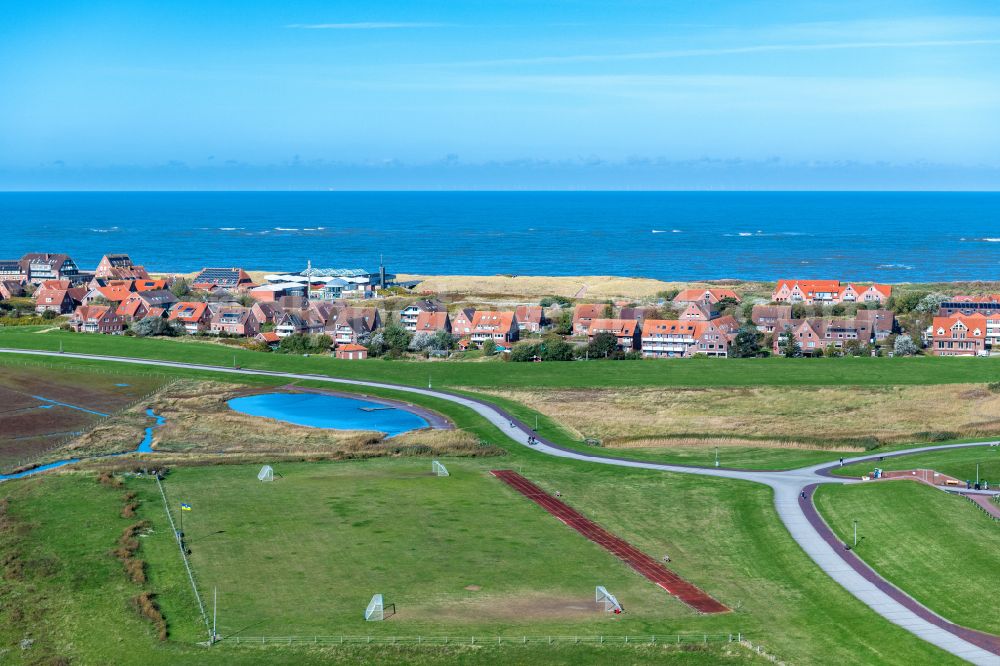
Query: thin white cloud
point(737, 50)
point(368, 25)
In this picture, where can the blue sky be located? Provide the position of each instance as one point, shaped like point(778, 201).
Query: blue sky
point(231, 94)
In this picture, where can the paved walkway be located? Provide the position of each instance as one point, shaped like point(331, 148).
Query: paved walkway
point(984, 501)
point(811, 535)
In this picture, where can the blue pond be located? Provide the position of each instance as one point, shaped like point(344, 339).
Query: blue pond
point(328, 411)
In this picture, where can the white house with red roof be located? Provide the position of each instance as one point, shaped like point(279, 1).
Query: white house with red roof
point(829, 292)
point(496, 326)
point(627, 332)
point(959, 335)
point(673, 338)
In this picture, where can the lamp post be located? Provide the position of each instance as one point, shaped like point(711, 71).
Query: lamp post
point(716, 456)
point(977, 474)
point(855, 533)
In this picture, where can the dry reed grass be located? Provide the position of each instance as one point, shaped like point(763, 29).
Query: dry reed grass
point(795, 417)
point(535, 286)
point(200, 425)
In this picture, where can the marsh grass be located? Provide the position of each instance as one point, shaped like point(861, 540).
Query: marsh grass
point(847, 418)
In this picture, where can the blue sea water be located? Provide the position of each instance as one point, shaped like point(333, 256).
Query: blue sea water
point(889, 237)
point(328, 411)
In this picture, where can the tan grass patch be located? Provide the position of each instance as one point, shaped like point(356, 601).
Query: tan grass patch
point(770, 416)
point(535, 286)
point(712, 442)
point(200, 423)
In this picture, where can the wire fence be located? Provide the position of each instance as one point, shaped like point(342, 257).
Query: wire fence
point(660, 639)
point(178, 537)
point(995, 499)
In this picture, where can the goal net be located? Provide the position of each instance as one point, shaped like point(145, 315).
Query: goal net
point(376, 609)
point(611, 604)
point(266, 473)
point(439, 469)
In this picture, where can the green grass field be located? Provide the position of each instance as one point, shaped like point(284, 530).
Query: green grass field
point(938, 548)
point(389, 523)
point(960, 463)
point(69, 599)
point(671, 372)
point(328, 535)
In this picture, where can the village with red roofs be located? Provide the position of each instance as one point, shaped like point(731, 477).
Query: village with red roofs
point(355, 308)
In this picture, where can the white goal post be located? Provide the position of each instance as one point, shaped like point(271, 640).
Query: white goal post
point(439, 469)
point(604, 597)
point(376, 609)
point(266, 473)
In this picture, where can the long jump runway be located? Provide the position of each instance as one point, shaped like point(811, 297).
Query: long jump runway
point(623, 550)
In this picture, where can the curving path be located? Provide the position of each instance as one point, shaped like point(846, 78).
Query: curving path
point(797, 513)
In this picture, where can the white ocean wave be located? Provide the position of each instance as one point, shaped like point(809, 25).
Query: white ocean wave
point(104, 231)
point(286, 229)
point(231, 228)
point(989, 240)
point(893, 267)
point(744, 233)
point(659, 231)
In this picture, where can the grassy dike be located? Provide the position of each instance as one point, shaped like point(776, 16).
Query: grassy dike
point(444, 374)
point(745, 557)
point(936, 547)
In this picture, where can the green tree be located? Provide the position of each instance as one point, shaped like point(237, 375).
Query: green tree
point(525, 352)
point(746, 344)
point(554, 348)
point(395, 338)
point(150, 326)
point(489, 348)
point(789, 346)
point(906, 301)
point(180, 288)
point(602, 344)
point(300, 343)
point(565, 324)
point(443, 341)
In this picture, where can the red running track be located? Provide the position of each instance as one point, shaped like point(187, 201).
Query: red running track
point(623, 550)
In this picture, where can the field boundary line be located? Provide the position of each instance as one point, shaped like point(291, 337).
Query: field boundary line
point(187, 565)
point(647, 639)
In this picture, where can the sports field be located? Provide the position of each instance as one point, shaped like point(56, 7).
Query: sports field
point(326, 536)
point(938, 548)
point(64, 599)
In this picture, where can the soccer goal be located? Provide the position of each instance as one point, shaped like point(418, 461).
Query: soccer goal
point(376, 609)
point(439, 469)
point(611, 604)
point(266, 473)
